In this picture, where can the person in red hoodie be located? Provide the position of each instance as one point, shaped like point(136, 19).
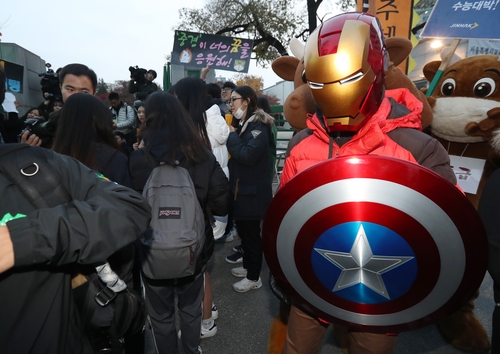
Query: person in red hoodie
point(344, 63)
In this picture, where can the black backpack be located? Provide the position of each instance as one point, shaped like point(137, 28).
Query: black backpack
point(107, 316)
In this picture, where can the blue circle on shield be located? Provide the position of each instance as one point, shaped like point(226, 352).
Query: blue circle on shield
point(364, 262)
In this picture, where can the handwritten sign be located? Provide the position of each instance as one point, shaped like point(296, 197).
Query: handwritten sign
point(14, 75)
point(468, 171)
point(220, 52)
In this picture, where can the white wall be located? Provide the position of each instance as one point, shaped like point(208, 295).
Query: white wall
point(281, 90)
point(33, 65)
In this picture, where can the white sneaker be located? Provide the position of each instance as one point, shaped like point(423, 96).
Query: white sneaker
point(210, 332)
point(239, 272)
point(215, 312)
point(225, 238)
point(245, 285)
point(205, 333)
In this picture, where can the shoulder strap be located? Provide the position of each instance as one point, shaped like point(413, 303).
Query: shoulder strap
point(33, 176)
point(6, 148)
point(36, 179)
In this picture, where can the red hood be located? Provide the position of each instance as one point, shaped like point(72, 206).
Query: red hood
point(402, 96)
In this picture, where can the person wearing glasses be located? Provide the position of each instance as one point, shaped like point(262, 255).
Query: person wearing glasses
point(227, 88)
point(249, 169)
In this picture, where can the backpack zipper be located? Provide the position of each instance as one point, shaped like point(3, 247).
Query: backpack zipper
point(191, 255)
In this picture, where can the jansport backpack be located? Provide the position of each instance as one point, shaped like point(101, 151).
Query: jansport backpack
point(172, 246)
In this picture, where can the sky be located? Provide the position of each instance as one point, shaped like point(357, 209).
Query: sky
point(108, 36)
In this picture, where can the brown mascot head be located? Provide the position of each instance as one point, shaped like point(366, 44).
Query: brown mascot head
point(300, 102)
point(466, 101)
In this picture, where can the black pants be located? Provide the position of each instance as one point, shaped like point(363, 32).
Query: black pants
point(160, 305)
point(251, 241)
point(229, 224)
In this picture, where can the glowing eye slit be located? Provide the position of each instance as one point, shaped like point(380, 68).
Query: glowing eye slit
point(316, 85)
point(351, 78)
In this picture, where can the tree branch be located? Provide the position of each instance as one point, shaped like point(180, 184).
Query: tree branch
point(235, 29)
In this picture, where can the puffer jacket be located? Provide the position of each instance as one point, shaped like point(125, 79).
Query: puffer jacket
point(385, 133)
point(218, 132)
point(250, 166)
point(125, 118)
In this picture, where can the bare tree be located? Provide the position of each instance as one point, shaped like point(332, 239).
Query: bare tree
point(270, 23)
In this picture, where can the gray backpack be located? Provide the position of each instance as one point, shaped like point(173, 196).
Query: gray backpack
point(172, 246)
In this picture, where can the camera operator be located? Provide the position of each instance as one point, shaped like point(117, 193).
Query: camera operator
point(73, 78)
point(141, 82)
point(51, 90)
point(49, 81)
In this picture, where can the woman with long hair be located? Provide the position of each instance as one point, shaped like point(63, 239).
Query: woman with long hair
point(171, 137)
point(250, 146)
point(193, 94)
point(85, 132)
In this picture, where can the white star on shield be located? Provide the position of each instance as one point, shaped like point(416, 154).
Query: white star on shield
point(361, 266)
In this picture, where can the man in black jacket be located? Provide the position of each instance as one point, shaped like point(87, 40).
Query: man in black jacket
point(143, 86)
point(74, 78)
point(40, 249)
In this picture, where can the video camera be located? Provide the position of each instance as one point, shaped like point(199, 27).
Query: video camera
point(50, 84)
point(40, 127)
point(137, 74)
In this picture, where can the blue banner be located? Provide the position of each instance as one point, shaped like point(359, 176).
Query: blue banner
point(464, 19)
point(14, 75)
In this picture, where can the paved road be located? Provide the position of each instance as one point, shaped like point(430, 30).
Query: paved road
point(245, 318)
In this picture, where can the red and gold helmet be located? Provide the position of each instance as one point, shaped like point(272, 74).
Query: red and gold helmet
point(344, 63)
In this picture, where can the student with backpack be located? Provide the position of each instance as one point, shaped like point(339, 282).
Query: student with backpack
point(173, 145)
point(193, 94)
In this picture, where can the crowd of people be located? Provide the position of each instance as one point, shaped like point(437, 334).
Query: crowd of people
point(219, 133)
point(92, 212)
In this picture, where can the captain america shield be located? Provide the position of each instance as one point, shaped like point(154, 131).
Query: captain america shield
point(374, 243)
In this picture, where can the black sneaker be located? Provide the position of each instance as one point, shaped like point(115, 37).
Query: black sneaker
point(236, 257)
point(238, 248)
